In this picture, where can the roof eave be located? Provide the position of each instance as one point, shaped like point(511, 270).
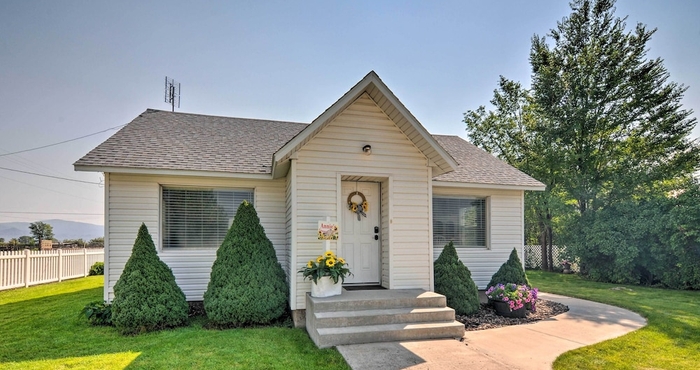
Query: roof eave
point(472, 185)
point(171, 172)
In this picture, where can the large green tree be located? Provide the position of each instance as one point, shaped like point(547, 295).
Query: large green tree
point(601, 124)
point(512, 132)
point(41, 231)
point(618, 120)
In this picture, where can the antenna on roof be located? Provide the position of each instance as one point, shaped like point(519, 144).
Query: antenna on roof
point(172, 92)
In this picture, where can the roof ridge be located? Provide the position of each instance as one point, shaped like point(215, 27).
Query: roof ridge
point(152, 110)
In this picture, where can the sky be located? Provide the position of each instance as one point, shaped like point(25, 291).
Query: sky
point(74, 68)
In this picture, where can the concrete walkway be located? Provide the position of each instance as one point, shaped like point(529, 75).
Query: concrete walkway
point(529, 346)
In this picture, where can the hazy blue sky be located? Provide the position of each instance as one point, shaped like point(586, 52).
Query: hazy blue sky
point(71, 68)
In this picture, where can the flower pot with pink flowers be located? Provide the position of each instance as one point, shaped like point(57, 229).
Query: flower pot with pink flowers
point(512, 300)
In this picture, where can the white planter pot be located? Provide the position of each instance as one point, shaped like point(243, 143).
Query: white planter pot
point(325, 287)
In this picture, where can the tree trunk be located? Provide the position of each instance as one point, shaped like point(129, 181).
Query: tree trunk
point(543, 247)
point(551, 250)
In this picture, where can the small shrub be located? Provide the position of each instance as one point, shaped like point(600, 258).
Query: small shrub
point(247, 284)
point(146, 297)
point(98, 268)
point(510, 272)
point(98, 313)
point(454, 280)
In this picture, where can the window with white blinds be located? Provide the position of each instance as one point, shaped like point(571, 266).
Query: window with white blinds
point(199, 218)
point(460, 220)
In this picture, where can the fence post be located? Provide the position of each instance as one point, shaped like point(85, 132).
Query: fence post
point(60, 265)
point(26, 268)
point(85, 265)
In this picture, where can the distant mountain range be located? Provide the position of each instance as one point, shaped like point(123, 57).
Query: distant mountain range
point(62, 229)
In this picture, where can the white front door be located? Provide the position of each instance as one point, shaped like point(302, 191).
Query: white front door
point(360, 237)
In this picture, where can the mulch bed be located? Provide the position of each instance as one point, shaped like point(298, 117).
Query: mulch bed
point(487, 318)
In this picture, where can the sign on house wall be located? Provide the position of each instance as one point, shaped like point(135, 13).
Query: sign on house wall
point(327, 230)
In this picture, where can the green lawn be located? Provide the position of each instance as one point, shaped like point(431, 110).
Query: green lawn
point(671, 340)
point(40, 329)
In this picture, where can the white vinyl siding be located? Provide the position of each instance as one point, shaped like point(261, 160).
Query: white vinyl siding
point(199, 218)
point(135, 199)
point(504, 230)
point(386, 245)
point(401, 168)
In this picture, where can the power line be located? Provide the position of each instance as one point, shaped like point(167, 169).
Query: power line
point(62, 142)
point(47, 189)
point(55, 213)
point(53, 177)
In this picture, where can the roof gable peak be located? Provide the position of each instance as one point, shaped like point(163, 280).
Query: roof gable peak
point(374, 87)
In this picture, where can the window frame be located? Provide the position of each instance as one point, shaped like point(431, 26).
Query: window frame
point(161, 212)
point(487, 221)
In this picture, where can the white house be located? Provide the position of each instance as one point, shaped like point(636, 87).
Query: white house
point(184, 175)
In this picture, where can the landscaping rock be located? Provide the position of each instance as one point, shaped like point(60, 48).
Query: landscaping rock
point(486, 317)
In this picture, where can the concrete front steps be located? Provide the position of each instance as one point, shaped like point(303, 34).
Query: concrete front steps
point(367, 316)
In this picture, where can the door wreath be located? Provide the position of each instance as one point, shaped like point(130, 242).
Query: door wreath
point(358, 208)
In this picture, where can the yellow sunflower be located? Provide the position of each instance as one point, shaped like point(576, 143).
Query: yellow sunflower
point(329, 254)
point(365, 206)
point(353, 207)
point(310, 264)
point(330, 262)
point(341, 260)
point(319, 259)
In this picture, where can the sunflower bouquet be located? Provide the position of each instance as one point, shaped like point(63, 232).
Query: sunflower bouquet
point(327, 264)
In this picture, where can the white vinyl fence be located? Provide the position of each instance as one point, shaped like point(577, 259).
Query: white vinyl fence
point(25, 268)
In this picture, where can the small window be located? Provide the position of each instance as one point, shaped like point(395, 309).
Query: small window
point(199, 218)
point(460, 220)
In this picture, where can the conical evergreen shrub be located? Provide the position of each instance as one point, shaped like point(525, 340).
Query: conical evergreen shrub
point(146, 297)
point(510, 272)
point(247, 284)
point(454, 280)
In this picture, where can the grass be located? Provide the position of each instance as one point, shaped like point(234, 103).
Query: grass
point(671, 340)
point(40, 329)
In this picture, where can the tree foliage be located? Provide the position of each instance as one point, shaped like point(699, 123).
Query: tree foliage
point(604, 128)
point(146, 296)
point(454, 280)
point(654, 240)
point(26, 240)
point(510, 271)
point(618, 122)
point(247, 284)
point(41, 231)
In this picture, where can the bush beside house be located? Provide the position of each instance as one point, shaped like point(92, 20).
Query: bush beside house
point(98, 268)
point(454, 280)
point(510, 272)
point(652, 241)
point(247, 284)
point(146, 297)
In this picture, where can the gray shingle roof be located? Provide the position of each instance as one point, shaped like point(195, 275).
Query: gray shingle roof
point(480, 167)
point(182, 141)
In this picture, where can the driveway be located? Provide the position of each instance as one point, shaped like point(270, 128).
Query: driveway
point(529, 346)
